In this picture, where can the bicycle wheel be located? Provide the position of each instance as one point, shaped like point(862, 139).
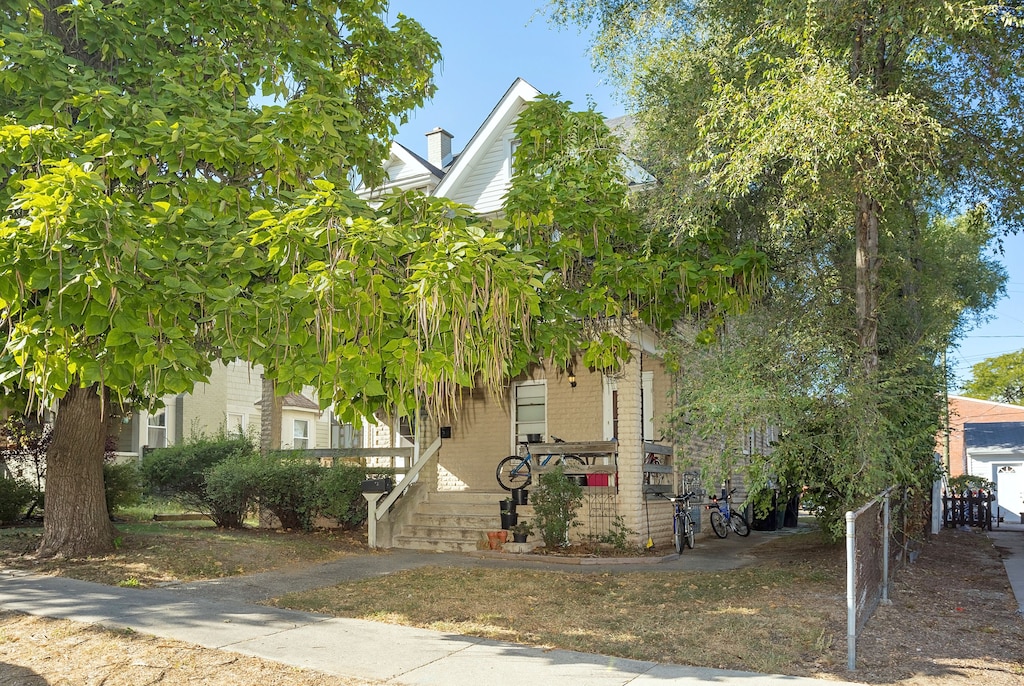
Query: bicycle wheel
point(738, 523)
point(513, 472)
point(688, 529)
point(573, 461)
point(718, 524)
point(679, 531)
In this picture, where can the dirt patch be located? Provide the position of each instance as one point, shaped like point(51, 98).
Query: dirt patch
point(953, 620)
point(155, 553)
point(35, 651)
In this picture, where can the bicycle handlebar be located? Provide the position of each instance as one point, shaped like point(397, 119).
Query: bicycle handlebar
point(674, 498)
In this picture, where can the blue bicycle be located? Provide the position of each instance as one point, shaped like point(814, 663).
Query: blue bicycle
point(724, 517)
point(514, 471)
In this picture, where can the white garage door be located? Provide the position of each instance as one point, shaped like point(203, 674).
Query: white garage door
point(1009, 480)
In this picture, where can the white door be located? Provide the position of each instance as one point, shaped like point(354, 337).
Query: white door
point(1009, 480)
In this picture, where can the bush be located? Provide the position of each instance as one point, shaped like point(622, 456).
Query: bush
point(229, 485)
point(287, 486)
point(180, 472)
point(341, 495)
point(15, 496)
point(556, 501)
point(121, 485)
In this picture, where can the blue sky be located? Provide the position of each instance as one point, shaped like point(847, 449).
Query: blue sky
point(486, 44)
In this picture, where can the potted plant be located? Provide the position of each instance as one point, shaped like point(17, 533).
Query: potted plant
point(520, 531)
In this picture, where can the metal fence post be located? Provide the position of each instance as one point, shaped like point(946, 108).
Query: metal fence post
point(886, 536)
point(851, 592)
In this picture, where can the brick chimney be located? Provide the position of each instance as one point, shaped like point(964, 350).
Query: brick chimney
point(439, 147)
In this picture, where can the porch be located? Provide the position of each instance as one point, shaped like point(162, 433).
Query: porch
point(419, 515)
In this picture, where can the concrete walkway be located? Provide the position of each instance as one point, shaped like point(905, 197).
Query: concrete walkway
point(1009, 539)
point(222, 615)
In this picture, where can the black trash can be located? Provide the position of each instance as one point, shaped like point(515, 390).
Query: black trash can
point(791, 517)
point(770, 521)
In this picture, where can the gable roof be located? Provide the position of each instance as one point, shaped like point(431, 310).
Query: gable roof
point(995, 436)
point(297, 401)
point(405, 169)
point(518, 94)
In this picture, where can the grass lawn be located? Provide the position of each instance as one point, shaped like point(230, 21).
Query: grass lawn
point(785, 613)
point(760, 618)
point(150, 552)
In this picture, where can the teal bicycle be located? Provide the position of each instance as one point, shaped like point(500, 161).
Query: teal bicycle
point(514, 471)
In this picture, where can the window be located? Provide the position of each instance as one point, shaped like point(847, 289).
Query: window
point(300, 434)
point(156, 433)
point(344, 436)
point(513, 144)
point(530, 411)
point(236, 423)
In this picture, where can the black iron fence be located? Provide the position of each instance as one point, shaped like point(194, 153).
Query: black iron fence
point(971, 508)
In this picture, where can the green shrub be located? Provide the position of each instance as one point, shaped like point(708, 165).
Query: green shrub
point(555, 502)
point(180, 472)
point(341, 495)
point(229, 485)
point(15, 496)
point(122, 485)
point(287, 486)
point(970, 482)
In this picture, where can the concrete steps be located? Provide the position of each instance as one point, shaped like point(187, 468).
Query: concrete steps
point(455, 521)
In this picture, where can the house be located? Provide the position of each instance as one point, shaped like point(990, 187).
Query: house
point(615, 419)
point(995, 451)
point(963, 410)
point(233, 400)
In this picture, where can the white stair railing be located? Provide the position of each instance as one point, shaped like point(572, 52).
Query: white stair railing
point(378, 510)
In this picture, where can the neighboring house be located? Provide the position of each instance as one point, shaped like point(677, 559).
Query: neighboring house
point(623, 409)
point(964, 410)
point(995, 451)
point(232, 401)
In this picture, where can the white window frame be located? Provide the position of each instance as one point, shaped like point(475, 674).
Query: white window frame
point(242, 425)
point(511, 143)
point(515, 410)
point(611, 385)
point(160, 425)
point(308, 438)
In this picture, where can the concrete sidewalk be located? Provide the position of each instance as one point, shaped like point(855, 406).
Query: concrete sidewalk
point(1009, 539)
point(345, 647)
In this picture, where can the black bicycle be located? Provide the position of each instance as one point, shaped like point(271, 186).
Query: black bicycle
point(514, 471)
point(682, 523)
point(724, 517)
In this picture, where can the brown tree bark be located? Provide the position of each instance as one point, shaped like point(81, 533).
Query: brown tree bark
point(868, 211)
point(75, 521)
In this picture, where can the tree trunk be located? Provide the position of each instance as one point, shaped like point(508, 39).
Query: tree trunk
point(868, 211)
point(75, 521)
point(271, 416)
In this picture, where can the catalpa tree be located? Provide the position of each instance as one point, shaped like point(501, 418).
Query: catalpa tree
point(155, 219)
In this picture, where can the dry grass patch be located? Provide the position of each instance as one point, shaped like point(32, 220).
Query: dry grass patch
point(953, 621)
point(744, 619)
point(35, 652)
point(154, 553)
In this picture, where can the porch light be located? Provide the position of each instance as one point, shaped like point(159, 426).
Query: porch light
point(572, 378)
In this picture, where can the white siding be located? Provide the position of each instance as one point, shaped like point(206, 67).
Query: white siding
point(485, 185)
